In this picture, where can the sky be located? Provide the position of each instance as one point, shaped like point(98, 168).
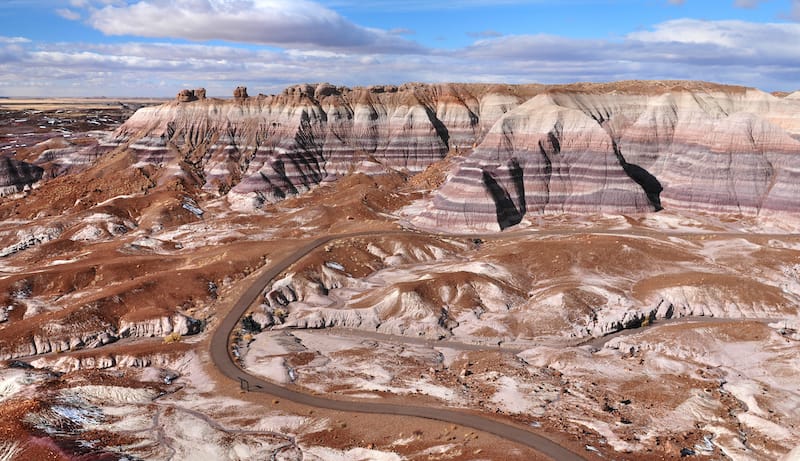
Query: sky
point(154, 48)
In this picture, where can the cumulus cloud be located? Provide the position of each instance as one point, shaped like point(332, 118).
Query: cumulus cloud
point(296, 23)
point(753, 54)
point(732, 42)
point(760, 55)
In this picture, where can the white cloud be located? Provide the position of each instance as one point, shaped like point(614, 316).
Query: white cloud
point(731, 42)
point(13, 39)
point(428, 5)
point(761, 55)
point(296, 23)
point(66, 13)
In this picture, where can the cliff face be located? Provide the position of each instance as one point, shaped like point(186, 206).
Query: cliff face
point(720, 150)
point(626, 147)
point(15, 176)
point(267, 147)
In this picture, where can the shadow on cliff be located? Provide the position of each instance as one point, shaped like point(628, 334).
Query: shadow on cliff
point(19, 174)
point(649, 183)
point(507, 211)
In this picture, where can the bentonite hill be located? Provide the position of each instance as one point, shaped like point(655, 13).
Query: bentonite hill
point(424, 271)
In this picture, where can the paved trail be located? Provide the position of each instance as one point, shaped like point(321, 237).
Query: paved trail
point(222, 358)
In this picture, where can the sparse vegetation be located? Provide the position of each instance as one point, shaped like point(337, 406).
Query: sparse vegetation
point(249, 325)
point(280, 314)
point(173, 337)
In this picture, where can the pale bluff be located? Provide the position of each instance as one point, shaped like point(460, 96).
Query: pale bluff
point(627, 147)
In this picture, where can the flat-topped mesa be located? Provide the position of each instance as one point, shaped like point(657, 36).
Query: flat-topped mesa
point(267, 147)
point(629, 148)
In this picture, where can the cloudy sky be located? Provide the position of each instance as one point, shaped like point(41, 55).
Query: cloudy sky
point(156, 47)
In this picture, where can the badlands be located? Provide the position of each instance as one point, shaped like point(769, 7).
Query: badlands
point(414, 272)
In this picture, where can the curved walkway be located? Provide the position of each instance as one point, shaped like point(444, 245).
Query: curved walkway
point(221, 356)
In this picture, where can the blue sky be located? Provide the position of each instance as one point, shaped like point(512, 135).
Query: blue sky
point(156, 47)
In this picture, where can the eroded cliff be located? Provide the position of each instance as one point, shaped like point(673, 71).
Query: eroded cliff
point(597, 150)
point(259, 149)
point(628, 147)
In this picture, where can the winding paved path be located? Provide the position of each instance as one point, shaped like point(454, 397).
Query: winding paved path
point(221, 356)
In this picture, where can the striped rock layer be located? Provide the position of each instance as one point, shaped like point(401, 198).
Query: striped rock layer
point(606, 150)
point(15, 176)
point(268, 147)
point(627, 147)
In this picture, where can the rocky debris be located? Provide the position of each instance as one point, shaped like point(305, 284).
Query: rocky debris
point(102, 361)
point(240, 92)
point(28, 239)
point(162, 326)
point(189, 204)
point(60, 341)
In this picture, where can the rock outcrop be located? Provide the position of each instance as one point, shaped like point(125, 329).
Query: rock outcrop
point(628, 147)
point(240, 92)
point(15, 176)
point(186, 95)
